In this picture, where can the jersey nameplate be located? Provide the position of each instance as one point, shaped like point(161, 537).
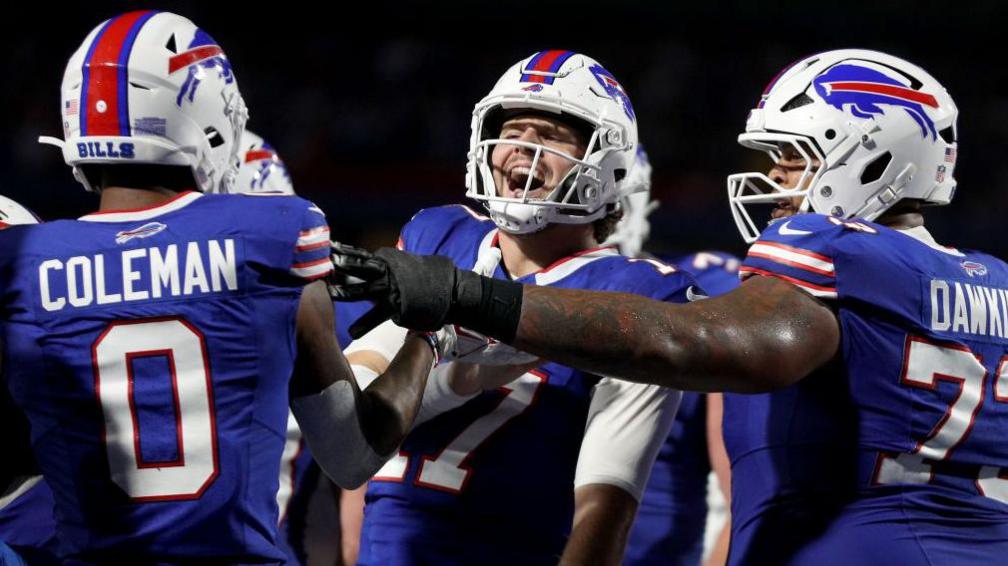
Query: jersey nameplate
point(966, 309)
point(177, 270)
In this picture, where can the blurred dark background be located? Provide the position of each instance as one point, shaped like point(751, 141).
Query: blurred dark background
point(370, 107)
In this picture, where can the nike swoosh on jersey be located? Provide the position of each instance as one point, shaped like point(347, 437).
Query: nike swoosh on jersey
point(691, 295)
point(785, 231)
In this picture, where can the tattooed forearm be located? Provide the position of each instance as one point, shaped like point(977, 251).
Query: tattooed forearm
point(765, 334)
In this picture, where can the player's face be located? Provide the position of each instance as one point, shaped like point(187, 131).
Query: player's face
point(512, 164)
point(787, 172)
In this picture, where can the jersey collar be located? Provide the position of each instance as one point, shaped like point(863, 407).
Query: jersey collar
point(557, 270)
point(922, 235)
point(146, 213)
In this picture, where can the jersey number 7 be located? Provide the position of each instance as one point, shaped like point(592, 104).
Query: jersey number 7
point(448, 470)
point(926, 364)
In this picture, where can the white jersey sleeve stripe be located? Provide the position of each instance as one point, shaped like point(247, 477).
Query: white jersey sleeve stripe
point(793, 257)
point(312, 269)
point(313, 236)
point(815, 290)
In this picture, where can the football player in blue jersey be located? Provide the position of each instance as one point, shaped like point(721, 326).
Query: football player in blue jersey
point(261, 171)
point(26, 506)
point(551, 146)
point(154, 345)
point(876, 435)
point(669, 528)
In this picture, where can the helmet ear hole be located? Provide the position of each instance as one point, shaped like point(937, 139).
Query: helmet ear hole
point(947, 134)
point(170, 46)
point(874, 170)
point(213, 137)
point(797, 102)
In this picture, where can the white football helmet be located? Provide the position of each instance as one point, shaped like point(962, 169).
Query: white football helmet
point(260, 169)
point(151, 87)
point(881, 128)
point(12, 213)
point(633, 228)
point(571, 85)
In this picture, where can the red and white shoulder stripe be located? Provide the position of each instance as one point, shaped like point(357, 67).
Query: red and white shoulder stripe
point(822, 291)
point(313, 239)
point(793, 257)
point(315, 269)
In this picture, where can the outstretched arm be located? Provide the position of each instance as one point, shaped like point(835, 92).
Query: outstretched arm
point(765, 334)
point(351, 433)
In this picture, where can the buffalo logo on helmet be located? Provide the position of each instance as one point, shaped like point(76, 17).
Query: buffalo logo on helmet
point(533, 88)
point(862, 90)
point(613, 88)
point(202, 52)
point(269, 160)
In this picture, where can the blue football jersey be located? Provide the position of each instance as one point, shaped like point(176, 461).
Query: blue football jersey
point(26, 510)
point(151, 352)
point(893, 452)
point(27, 523)
point(669, 529)
point(491, 482)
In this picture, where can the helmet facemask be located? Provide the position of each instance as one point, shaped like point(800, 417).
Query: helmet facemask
point(574, 200)
point(748, 191)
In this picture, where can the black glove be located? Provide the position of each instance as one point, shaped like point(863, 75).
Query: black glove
point(423, 292)
point(414, 291)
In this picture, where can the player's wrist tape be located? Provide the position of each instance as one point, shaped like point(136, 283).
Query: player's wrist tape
point(488, 306)
point(432, 341)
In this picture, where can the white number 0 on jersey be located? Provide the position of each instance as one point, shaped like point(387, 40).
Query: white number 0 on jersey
point(184, 347)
